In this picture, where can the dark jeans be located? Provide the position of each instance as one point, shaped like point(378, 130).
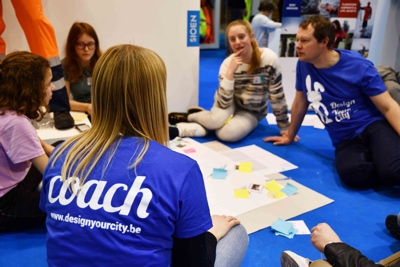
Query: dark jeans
point(173, 132)
point(19, 208)
point(371, 158)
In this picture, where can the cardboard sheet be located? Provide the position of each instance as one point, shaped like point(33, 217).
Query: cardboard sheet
point(233, 194)
point(303, 201)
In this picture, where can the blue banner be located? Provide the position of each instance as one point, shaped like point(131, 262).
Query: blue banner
point(292, 8)
point(193, 27)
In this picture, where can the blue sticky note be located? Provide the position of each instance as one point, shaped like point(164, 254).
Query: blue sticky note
point(290, 235)
point(289, 189)
point(219, 174)
point(282, 226)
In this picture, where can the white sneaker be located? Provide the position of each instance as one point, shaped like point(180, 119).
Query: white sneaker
point(290, 259)
point(191, 129)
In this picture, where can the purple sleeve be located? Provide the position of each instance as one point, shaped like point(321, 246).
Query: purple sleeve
point(21, 142)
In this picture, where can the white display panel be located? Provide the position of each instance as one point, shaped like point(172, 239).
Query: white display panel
point(158, 25)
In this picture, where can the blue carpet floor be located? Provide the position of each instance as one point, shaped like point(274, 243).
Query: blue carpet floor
point(357, 215)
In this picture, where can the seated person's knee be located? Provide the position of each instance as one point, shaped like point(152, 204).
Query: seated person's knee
point(226, 134)
point(361, 175)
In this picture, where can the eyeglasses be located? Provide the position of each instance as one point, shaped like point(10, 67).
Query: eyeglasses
point(82, 46)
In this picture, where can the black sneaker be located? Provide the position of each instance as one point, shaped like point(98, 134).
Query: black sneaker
point(194, 109)
point(393, 226)
point(63, 120)
point(291, 259)
point(177, 117)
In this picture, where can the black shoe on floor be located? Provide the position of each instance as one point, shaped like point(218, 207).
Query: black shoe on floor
point(194, 109)
point(177, 117)
point(393, 226)
point(63, 120)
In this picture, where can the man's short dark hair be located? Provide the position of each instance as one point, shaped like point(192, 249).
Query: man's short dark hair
point(323, 28)
point(265, 5)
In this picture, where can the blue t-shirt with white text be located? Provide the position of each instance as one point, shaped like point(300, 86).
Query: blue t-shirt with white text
point(124, 216)
point(340, 95)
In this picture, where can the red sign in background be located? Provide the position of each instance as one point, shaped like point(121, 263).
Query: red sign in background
point(348, 9)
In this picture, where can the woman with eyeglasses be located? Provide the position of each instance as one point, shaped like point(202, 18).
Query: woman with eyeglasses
point(82, 52)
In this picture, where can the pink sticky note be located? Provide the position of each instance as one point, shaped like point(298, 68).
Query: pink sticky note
point(189, 150)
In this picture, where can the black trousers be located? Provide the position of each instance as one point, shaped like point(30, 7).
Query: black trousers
point(19, 208)
point(372, 158)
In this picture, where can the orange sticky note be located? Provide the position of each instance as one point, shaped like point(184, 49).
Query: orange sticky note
point(246, 167)
point(241, 193)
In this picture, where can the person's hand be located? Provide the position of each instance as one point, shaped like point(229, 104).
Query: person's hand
point(277, 140)
point(222, 225)
point(234, 64)
point(321, 235)
point(296, 138)
point(89, 109)
point(281, 140)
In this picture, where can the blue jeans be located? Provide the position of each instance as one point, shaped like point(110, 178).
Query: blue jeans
point(232, 248)
point(371, 158)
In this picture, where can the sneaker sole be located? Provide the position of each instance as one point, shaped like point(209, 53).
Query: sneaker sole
point(287, 261)
point(194, 109)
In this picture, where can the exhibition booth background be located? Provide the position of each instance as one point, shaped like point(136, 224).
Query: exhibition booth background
point(162, 26)
point(382, 46)
point(158, 25)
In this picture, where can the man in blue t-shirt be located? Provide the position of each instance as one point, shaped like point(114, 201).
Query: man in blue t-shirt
point(349, 97)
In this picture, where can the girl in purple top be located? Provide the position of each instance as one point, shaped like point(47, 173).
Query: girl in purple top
point(25, 87)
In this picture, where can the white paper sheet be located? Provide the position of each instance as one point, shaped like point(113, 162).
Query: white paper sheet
point(309, 120)
point(264, 162)
point(220, 193)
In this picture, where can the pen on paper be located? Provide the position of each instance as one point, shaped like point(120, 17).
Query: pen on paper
point(280, 179)
point(230, 117)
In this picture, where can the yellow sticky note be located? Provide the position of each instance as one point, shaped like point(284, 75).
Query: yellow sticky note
point(241, 193)
point(79, 116)
point(246, 167)
point(277, 194)
point(273, 186)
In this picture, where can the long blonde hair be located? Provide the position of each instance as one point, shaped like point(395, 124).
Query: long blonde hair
point(129, 99)
point(256, 55)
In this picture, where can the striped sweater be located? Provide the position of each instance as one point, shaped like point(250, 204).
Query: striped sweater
point(251, 92)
